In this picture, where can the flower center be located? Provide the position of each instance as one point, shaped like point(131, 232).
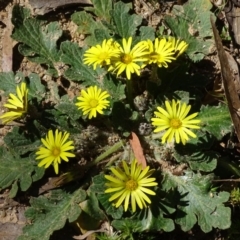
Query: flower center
point(103, 56)
point(175, 123)
point(93, 103)
point(126, 58)
point(131, 185)
point(154, 56)
point(56, 151)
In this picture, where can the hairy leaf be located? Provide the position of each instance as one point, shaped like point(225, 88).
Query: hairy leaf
point(15, 168)
point(102, 9)
point(84, 21)
point(78, 71)
point(91, 207)
point(69, 108)
point(9, 81)
point(21, 142)
point(35, 88)
point(56, 118)
point(191, 22)
point(145, 221)
point(99, 187)
point(110, 209)
point(96, 30)
point(39, 40)
point(126, 24)
point(197, 153)
point(197, 205)
point(114, 87)
point(146, 33)
point(51, 214)
point(216, 120)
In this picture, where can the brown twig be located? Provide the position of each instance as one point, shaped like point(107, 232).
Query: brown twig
point(227, 78)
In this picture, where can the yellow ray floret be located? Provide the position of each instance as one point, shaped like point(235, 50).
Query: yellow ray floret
point(101, 55)
point(129, 58)
point(93, 101)
point(17, 104)
point(175, 121)
point(160, 52)
point(56, 148)
point(179, 46)
point(130, 185)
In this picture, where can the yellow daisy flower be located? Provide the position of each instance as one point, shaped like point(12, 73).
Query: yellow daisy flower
point(56, 148)
point(178, 45)
point(17, 104)
point(101, 54)
point(127, 58)
point(92, 101)
point(175, 120)
point(133, 182)
point(160, 52)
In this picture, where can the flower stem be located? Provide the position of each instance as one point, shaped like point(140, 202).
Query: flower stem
point(130, 92)
point(111, 150)
point(154, 75)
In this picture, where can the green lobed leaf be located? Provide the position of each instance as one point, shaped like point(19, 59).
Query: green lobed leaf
point(39, 41)
point(145, 221)
point(85, 22)
point(21, 142)
point(99, 36)
point(91, 207)
point(53, 92)
point(156, 216)
point(197, 153)
point(114, 87)
point(191, 22)
point(35, 88)
point(101, 8)
point(51, 214)
point(66, 106)
point(14, 190)
point(72, 55)
point(15, 168)
point(19, 15)
point(146, 33)
point(197, 205)
point(56, 119)
point(99, 187)
point(156, 222)
point(9, 81)
point(215, 120)
point(115, 213)
point(96, 30)
point(126, 24)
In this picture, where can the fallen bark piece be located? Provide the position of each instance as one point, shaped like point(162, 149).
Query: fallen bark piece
point(7, 45)
point(228, 83)
point(44, 6)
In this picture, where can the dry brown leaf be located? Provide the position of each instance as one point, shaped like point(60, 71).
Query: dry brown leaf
point(137, 149)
